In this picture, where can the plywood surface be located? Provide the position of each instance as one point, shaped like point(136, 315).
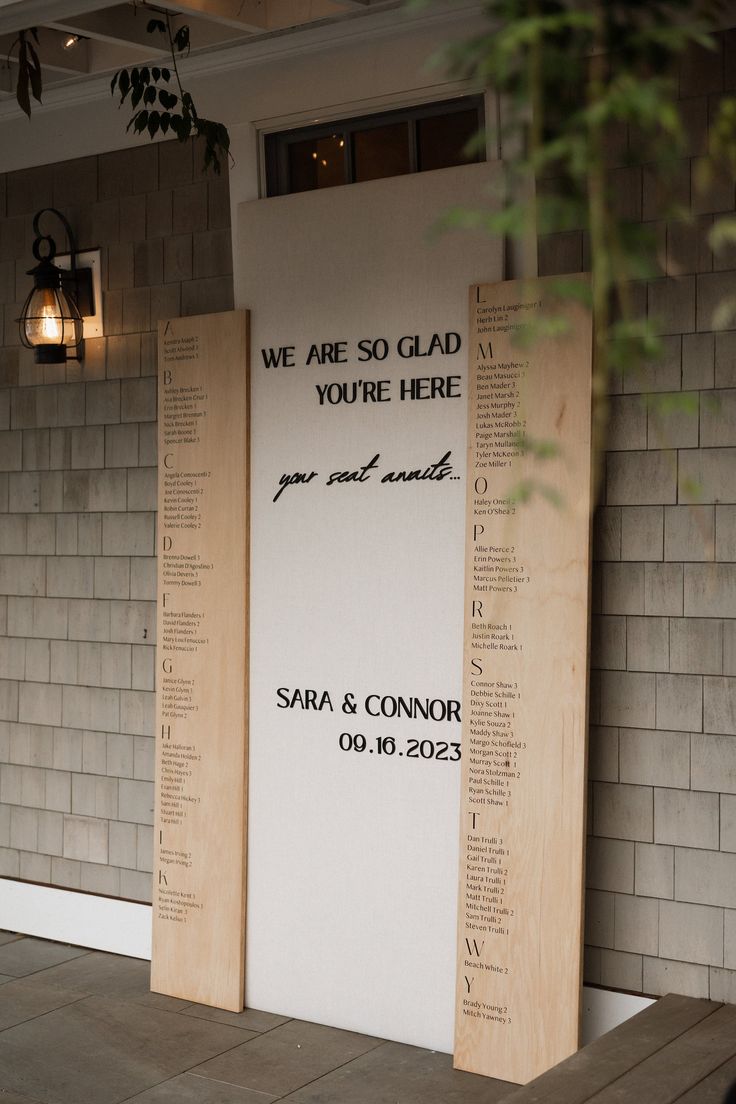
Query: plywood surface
point(524, 696)
point(200, 816)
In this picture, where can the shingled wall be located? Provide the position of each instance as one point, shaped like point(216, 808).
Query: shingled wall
point(661, 901)
point(77, 567)
point(78, 495)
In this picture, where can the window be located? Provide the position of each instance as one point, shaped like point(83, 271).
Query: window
point(433, 136)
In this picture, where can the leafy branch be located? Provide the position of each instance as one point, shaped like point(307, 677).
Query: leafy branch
point(159, 101)
point(576, 78)
point(157, 97)
point(30, 80)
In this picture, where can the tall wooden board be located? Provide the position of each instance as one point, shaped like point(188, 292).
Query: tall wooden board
point(524, 693)
point(201, 750)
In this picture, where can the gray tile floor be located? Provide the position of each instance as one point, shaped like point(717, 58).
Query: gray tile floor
point(82, 1027)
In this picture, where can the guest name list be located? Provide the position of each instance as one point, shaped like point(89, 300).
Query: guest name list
point(524, 694)
point(199, 833)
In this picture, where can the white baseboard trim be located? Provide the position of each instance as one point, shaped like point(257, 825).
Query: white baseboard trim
point(100, 923)
point(124, 928)
point(604, 1009)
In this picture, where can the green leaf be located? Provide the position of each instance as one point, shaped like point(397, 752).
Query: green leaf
point(34, 72)
point(123, 84)
point(145, 75)
point(113, 82)
point(576, 289)
point(511, 220)
point(537, 447)
point(543, 326)
point(521, 491)
point(156, 73)
point(221, 137)
point(690, 489)
point(553, 496)
point(154, 120)
point(722, 233)
point(181, 39)
point(680, 402)
point(724, 315)
point(524, 490)
point(166, 74)
point(149, 96)
point(29, 72)
point(21, 90)
point(141, 122)
point(165, 120)
point(476, 144)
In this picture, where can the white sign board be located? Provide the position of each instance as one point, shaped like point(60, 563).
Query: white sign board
point(359, 408)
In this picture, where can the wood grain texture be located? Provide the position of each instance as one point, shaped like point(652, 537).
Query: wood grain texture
point(713, 1088)
point(201, 697)
point(524, 703)
point(614, 1054)
point(665, 1076)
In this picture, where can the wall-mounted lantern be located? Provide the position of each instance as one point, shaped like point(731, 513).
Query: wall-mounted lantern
point(51, 321)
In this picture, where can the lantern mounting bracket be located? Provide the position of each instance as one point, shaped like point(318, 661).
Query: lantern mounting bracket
point(63, 295)
point(76, 282)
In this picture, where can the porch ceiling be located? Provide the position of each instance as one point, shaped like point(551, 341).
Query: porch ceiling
point(79, 39)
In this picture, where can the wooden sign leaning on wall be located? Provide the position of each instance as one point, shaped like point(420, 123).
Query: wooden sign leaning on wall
point(525, 685)
point(201, 695)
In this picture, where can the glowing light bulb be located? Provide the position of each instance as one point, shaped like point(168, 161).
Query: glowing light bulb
point(50, 324)
point(44, 323)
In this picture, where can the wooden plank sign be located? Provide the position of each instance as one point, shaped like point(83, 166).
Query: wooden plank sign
point(200, 817)
point(524, 692)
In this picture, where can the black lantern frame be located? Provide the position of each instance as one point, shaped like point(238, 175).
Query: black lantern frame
point(51, 321)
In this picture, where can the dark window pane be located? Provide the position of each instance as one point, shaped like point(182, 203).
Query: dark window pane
point(429, 136)
point(317, 163)
point(381, 151)
point(441, 139)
